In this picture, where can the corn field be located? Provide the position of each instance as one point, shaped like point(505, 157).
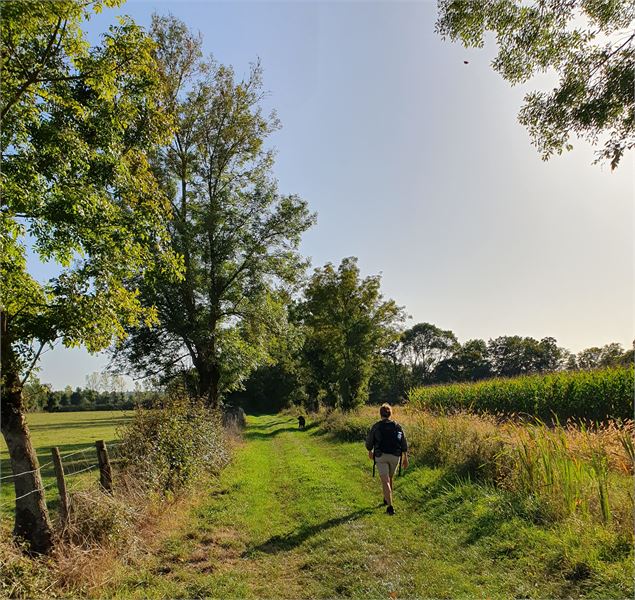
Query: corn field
point(583, 395)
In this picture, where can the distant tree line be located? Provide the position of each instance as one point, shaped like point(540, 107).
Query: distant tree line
point(427, 355)
point(103, 391)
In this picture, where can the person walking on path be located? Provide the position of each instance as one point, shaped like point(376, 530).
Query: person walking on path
point(386, 444)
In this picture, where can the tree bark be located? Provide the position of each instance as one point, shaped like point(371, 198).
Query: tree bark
point(32, 521)
point(214, 392)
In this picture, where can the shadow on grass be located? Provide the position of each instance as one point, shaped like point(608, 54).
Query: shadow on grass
point(259, 435)
point(283, 543)
point(270, 424)
point(84, 424)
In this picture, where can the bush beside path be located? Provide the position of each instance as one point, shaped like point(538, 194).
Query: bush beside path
point(298, 515)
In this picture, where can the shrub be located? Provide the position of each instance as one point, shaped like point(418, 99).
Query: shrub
point(462, 444)
point(22, 576)
point(350, 426)
point(99, 519)
point(171, 444)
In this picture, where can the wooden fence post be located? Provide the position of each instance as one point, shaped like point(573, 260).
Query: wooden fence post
point(105, 472)
point(61, 483)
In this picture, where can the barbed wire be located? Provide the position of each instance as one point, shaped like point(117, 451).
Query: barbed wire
point(94, 466)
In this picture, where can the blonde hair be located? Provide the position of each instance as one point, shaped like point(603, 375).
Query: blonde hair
point(385, 410)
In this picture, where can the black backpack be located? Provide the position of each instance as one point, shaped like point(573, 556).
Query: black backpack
point(389, 436)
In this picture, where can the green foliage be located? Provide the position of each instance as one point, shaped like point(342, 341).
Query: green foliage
point(425, 347)
point(389, 380)
point(238, 236)
point(99, 520)
point(569, 471)
point(516, 355)
point(35, 394)
point(76, 185)
point(471, 361)
point(169, 446)
point(347, 324)
point(592, 395)
point(610, 355)
point(22, 576)
point(589, 44)
point(321, 510)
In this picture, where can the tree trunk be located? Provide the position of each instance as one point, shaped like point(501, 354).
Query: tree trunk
point(214, 392)
point(31, 516)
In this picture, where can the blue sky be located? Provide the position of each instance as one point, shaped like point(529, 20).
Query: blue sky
point(416, 164)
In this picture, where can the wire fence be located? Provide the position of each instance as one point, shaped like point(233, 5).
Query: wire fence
point(72, 464)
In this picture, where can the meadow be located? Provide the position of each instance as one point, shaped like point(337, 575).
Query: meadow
point(74, 433)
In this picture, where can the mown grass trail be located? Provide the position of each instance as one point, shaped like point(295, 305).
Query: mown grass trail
point(298, 515)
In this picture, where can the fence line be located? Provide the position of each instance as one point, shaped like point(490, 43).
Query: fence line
point(12, 476)
point(74, 452)
point(44, 487)
point(93, 466)
point(83, 469)
point(48, 464)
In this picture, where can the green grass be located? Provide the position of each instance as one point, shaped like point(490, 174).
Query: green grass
point(298, 515)
point(70, 432)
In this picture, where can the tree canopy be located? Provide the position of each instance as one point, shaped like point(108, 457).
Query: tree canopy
point(589, 44)
point(348, 323)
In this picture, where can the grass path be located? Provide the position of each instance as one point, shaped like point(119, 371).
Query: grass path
point(297, 515)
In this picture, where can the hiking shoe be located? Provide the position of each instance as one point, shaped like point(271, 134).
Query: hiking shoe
point(390, 510)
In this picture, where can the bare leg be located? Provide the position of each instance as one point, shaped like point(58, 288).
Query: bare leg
point(386, 484)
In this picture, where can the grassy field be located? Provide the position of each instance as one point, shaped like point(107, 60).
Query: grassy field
point(70, 432)
point(298, 515)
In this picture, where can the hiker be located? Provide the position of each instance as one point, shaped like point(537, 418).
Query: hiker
point(387, 446)
point(301, 422)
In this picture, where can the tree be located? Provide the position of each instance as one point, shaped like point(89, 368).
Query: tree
point(589, 358)
point(590, 45)
point(348, 323)
point(35, 393)
point(548, 355)
point(238, 236)
point(472, 361)
point(76, 187)
point(515, 355)
point(424, 347)
point(390, 379)
point(282, 382)
point(610, 355)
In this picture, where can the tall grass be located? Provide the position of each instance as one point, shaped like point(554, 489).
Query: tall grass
point(591, 395)
point(568, 470)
